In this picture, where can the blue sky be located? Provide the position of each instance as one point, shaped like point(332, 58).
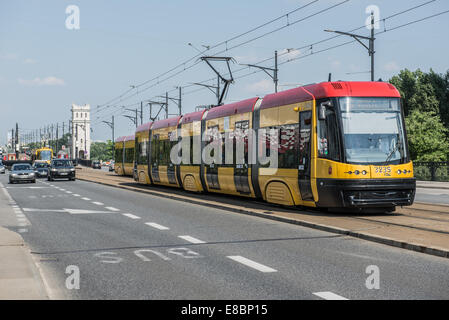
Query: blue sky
point(45, 67)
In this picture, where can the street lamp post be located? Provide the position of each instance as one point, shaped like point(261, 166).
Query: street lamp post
point(370, 46)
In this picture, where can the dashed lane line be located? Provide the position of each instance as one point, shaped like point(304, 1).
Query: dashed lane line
point(112, 209)
point(327, 295)
point(157, 226)
point(192, 239)
point(252, 264)
point(98, 203)
point(87, 199)
point(129, 215)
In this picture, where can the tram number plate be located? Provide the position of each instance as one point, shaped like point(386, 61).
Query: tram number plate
point(386, 171)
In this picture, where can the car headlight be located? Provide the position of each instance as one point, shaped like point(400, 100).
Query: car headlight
point(53, 170)
point(72, 169)
point(31, 173)
point(13, 174)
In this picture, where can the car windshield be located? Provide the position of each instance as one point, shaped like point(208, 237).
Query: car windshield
point(18, 167)
point(62, 163)
point(373, 130)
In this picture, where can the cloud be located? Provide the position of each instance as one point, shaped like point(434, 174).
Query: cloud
point(47, 81)
point(391, 66)
point(261, 87)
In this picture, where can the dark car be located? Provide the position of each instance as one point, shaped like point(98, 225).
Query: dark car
point(96, 164)
point(41, 169)
point(22, 172)
point(61, 169)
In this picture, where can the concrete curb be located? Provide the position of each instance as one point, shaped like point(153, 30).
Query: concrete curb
point(440, 252)
point(432, 185)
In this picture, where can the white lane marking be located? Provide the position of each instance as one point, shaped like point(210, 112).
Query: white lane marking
point(76, 195)
point(61, 189)
point(129, 215)
point(23, 230)
point(71, 211)
point(87, 199)
point(191, 239)
point(68, 192)
point(157, 226)
point(252, 264)
point(42, 210)
point(98, 203)
point(327, 295)
point(112, 209)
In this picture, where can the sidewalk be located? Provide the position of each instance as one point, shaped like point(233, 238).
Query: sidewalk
point(19, 277)
point(432, 184)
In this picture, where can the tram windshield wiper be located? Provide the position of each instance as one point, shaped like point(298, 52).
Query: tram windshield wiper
point(396, 147)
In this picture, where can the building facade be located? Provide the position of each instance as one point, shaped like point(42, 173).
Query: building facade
point(81, 131)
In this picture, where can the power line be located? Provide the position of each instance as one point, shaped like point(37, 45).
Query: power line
point(332, 47)
point(227, 49)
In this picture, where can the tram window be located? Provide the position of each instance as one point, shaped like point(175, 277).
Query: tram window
point(288, 146)
point(328, 143)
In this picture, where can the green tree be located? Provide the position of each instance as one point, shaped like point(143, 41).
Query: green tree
point(101, 150)
point(427, 136)
point(417, 91)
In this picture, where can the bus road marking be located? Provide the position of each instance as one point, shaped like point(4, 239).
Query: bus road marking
point(252, 264)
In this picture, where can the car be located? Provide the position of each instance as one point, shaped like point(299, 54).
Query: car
point(40, 169)
point(61, 168)
point(2, 167)
point(111, 166)
point(96, 164)
point(22, 172)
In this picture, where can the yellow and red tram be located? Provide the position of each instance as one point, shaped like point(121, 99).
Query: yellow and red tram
point(337, 145)
point(124, 155)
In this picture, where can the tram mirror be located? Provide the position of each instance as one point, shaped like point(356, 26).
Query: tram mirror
point(322, 112)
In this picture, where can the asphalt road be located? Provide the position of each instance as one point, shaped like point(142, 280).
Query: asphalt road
point(432, 195)
point(130, 245)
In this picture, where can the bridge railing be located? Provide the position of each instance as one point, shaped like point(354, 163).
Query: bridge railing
point(431, 171)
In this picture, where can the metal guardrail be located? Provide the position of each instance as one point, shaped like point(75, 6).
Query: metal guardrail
point(431, 171)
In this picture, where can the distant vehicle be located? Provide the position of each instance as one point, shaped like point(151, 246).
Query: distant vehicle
point(22, 172)
point(40, 169)
point(111, 166)
point(45, 154)
point(2, 167)
point(61, 168)
point(96, 164)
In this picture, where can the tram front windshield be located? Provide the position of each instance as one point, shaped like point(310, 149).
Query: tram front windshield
point(45, 155)
point(373, 130)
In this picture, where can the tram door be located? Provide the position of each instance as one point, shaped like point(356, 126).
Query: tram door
point(155, 157)
point(171, 168)
point(305, 125)
point(212, 169)
point(241, 170)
